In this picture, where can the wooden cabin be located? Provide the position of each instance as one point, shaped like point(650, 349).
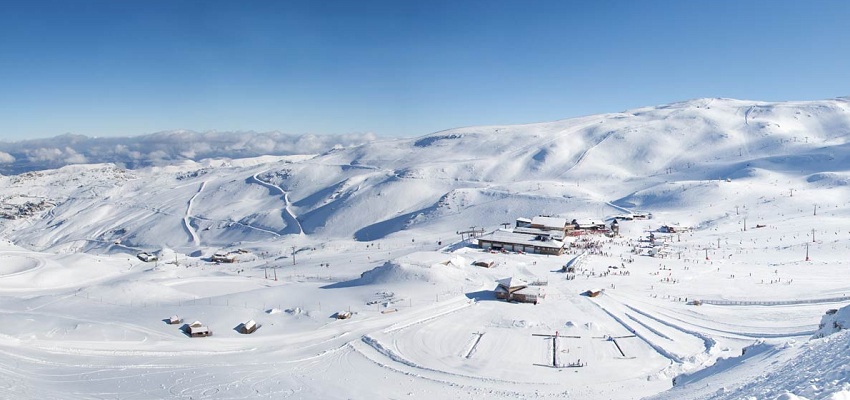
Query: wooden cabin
point(223, 258)
point(197, 329)
point(343, 315)
point(512, 289)
point(248, 327)
point(147, 257)
point(174, 320)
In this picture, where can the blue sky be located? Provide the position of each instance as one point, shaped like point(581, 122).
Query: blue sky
point(398, 68)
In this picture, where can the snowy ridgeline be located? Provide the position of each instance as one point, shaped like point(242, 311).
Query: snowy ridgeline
point(687, 156)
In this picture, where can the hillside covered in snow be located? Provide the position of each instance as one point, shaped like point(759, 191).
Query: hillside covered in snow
point(726, 308)
point(669, 158)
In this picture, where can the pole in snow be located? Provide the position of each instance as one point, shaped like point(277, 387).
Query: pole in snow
point(706, 254)
point(807, 252)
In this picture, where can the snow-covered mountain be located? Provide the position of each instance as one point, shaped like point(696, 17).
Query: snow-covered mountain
point(661, 158)
point(371, 227)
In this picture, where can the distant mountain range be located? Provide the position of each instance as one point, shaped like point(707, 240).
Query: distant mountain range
point(161, 148)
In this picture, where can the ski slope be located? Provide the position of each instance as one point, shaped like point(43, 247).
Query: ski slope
point(373, 230)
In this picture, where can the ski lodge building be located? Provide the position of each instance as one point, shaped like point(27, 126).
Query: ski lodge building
point(554, 227)
point(521, 242)
point(539, 235)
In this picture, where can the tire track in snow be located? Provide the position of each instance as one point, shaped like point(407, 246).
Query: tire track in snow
point(293, 226)
point(193, 236)
point(737, 331)
point(584, 154)
point(744, 334)
point(444, 312)
point(369, 344)
point(659, 349)
point(707, 341)
point(649, 328)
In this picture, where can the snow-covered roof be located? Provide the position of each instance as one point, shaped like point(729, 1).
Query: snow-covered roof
point(589, 222)
point(510, 283)
point(457, 261)
point(538, 231)
point(549, 222)
point(519, 238)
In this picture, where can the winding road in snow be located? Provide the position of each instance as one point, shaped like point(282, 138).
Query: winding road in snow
point(186, 224)
point(293, 226)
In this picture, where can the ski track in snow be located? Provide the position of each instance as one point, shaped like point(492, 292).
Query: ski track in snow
point(743, 334)
point(708, 341)
point(293, 226)
point(193, 236)
point(658, 348)
point(584, 154)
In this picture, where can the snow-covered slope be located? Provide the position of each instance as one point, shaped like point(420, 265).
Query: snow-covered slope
point(668, 157)
point(815, 369)
point(372, 229)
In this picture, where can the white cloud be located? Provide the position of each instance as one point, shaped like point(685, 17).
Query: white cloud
point(43, 154)
point(6, 158)
point(72, 157)
point(164, 147)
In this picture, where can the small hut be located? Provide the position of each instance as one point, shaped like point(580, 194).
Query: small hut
point(221, 257)
point(248, 327)
point(174, 320)
point(147, 257)
point(593, 292)
point(484, 263)
point(513, 289)
point(343, 315)
point(197, 329)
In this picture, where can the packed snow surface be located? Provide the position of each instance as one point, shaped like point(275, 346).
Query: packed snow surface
point(357, 267)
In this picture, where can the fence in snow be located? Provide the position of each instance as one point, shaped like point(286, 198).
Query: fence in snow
point(776, 302)
point(243, 302)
